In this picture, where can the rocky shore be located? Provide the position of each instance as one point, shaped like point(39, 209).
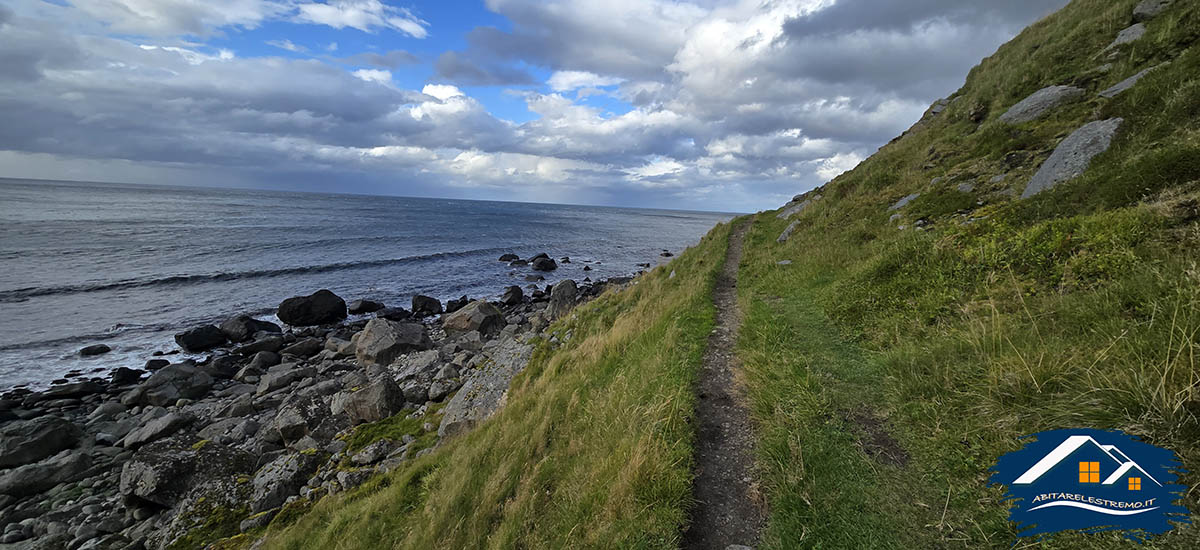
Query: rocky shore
point(271, 419)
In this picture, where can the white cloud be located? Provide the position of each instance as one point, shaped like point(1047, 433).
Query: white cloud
point(374, 75)
point(364, 15)
point(564, 81)
point(442, 91)
point(332, 47)
point(172, 17)
point(287, 45)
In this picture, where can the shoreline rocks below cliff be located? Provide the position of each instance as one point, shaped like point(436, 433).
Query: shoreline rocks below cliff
point(266, 418)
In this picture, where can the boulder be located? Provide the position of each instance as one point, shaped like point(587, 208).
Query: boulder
point(485, 390)
point(478, 315)
point(539, 256)
point(73, 390)
point(374, 452)
point(1149, 9)
point(199, 339)
point(26, 441)
point(223, 367)
point(455, 305)
point(240, 328)
point(269, 343)
point(162, 472)
point(122, 376)
point(172, 383)
point(393, 314)
point(791, 228)
point(903, 202)
point(544, 264)
point(263, 360)
point(562, 298)
point(1129, 35)
point(1128, 83)
point(156, 429)
point(1073, 156)
point(382, 341)
point(513, 295)
point(793, 208)
point(28, 480)
point(320, 308)
point(282, 376)
point(307, 347)
point(299, 417)
point(282, 478)
point(93, 350)
point(1040, 103)
point(424, 306)
point(380, 399)
point(364, 306)
point(155, 364)
point(509, 257)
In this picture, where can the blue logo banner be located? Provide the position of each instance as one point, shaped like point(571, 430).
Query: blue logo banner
point(1091, 480)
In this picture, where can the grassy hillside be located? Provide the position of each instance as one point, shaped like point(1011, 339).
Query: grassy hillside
point(593, 449)
point(890, 368)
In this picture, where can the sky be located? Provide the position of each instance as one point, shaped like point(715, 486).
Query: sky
point(724, 105)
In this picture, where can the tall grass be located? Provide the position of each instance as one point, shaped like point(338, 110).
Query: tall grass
point(592, 450)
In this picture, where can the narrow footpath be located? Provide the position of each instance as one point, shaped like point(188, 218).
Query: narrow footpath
point(728, 511)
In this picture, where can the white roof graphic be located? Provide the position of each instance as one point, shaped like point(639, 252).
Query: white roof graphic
point(1072, 444)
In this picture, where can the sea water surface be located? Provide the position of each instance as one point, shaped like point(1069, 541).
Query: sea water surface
point(131, 265)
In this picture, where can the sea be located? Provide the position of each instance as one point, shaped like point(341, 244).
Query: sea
point(131, 265)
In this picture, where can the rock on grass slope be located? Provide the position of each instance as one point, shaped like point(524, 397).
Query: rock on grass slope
point(890, 355)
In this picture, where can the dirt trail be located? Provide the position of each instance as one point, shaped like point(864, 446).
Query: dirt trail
point(728, 510)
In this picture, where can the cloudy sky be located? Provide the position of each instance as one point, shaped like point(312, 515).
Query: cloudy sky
point(731, 105)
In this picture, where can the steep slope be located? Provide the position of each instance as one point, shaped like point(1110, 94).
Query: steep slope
point(928, 315)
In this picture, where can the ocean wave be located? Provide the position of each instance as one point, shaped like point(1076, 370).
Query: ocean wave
point(23, 294)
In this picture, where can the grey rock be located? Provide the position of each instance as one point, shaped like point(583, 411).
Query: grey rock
point(156, 429)
point(455, 305)
point(1074, 155)
point(439, 389)
point(486, 388)
point(241, 406)
point(794, 208)
point(307, 347)
point(27, 441)
point(94, 349)
point(299, 418)
point(512, 296)
point(358, 307)
point(903, 202)
point(374, 452)
point(562, 298)
point(240, 328)
point(1040, 103)
point(1149, 9)
point(424, 306)
point(175, 382)
point(282, 376)
point(1128, 83)
point(200, 338)
point(122, 376)
point(393, 314)
point(267, 343)
point(544, 264)
point(382, 341)
point(478, 315)
point(380, 399)
point(163, 472)
point(1129, 35)
point(966, 187)
point(258, 521)
point(281, 478)
point(319, 308)
point(73, 390)
point(263, 360)
point(787, 232)
point(65, 467)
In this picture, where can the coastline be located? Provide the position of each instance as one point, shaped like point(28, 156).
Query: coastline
point(316, 406)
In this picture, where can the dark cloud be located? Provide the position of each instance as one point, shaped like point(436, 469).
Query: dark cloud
point(6, 15)
point(890, 15)
point(456, 68)
point(389, 60)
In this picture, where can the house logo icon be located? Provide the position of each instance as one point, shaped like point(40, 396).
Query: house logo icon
point(1091, 480)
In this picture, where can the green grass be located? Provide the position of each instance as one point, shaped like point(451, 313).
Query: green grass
point(1079, 307)
point(592, 450)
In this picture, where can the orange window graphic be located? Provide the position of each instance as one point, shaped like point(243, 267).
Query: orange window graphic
point(1135, 484)
point(1089, 472)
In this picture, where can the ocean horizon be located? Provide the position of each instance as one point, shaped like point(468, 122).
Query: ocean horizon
point(130, 265)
